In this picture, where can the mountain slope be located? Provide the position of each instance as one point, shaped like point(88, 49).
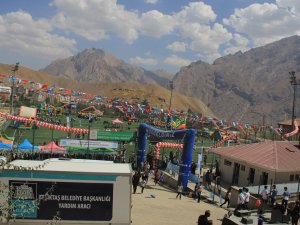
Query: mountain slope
point(155, 94)
point(246, 86)
point(95, 65)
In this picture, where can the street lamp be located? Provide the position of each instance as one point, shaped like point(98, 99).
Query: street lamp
point(14, 70)
point(171, 85)
point(293, 82)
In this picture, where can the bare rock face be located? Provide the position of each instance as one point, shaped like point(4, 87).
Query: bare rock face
point(94, 65)
point(246, 86)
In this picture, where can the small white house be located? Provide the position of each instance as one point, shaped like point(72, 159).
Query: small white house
point(262, 163)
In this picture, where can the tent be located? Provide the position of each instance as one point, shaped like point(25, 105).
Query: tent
point(5, 146)
point(53, 148)
point(26, 146)
point(117, 121)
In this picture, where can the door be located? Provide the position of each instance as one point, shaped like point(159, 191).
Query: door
point(236, 174)
point(265, 177)
point(251, 176)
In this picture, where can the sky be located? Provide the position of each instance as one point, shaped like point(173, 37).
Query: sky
point(153, 34)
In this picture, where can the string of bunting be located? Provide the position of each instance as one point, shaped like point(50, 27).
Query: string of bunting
point(45, 124)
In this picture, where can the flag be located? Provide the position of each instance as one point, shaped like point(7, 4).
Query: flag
point(45, 87)
point(199, 164)
point(68, 91)
point(88, 96)
point(25, 81)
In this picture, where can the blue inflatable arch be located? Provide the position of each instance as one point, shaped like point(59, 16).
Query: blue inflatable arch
point(188, 137)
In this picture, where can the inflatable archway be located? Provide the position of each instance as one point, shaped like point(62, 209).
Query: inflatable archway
point(187, 137)
point(163, 145)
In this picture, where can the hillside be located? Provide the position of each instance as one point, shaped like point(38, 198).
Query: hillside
point(252, 87)
point(155, 94)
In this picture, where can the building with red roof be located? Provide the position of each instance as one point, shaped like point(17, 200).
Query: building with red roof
point(260, 163)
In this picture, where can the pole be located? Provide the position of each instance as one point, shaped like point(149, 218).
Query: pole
point(294, 83)
point(88, 147)
point(14, 69)
point(33, 137)
point(293, 112)
point(171, 88)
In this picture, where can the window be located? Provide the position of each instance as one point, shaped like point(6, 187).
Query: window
point(243, 168)
point(227, 163)
point(292, 177)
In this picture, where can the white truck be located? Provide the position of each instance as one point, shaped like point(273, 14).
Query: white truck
point(73, 191)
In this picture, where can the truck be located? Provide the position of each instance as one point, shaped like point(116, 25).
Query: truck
point(73, 191)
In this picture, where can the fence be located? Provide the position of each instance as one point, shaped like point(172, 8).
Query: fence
point(174, 170)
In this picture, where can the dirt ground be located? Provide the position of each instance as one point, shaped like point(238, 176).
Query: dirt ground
point(165, 209)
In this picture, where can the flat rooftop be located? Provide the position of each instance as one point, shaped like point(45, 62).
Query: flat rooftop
point(74, 166)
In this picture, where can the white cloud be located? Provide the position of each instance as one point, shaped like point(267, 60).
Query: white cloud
point(238, 43)
point(96, 19)
point(196, 12)
point(151, 1)
point(265, 23)
point(176, 61)
point(20, 33)
point(197, 25)
point(156, 24)
point(143, 61)
point(177, 46)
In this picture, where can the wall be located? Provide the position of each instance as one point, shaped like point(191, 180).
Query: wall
point(227, 173)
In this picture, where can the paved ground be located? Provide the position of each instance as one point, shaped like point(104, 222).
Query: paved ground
point(165, 209)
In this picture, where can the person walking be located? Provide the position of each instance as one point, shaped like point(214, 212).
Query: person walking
point(286, 196)
point(199, 192)
point(273, 195)
point(247, 198)
point(203, 219)
point(227, 198)
point(208, 180)
point(179, 191)
point(143, 184)
point(295, 213)
point(264, 196)
point(135, 181)
point(240, 200)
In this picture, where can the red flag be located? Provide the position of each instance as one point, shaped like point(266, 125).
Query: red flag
point(45, 87)
point(68, 92)
point(25, 81)
point(87, 96)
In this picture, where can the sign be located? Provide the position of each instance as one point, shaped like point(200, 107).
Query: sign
point(93, 134)
point(115, 136)
point(69, 201)
point(87, 143)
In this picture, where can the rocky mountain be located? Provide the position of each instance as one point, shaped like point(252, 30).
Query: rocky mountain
point(252, 87)
point(95, 65)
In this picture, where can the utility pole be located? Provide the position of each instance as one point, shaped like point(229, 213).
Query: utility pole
point(171, 85)
point(14, 70)
point(293, 82)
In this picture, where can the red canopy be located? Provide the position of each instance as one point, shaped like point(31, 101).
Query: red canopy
point(52, 147)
